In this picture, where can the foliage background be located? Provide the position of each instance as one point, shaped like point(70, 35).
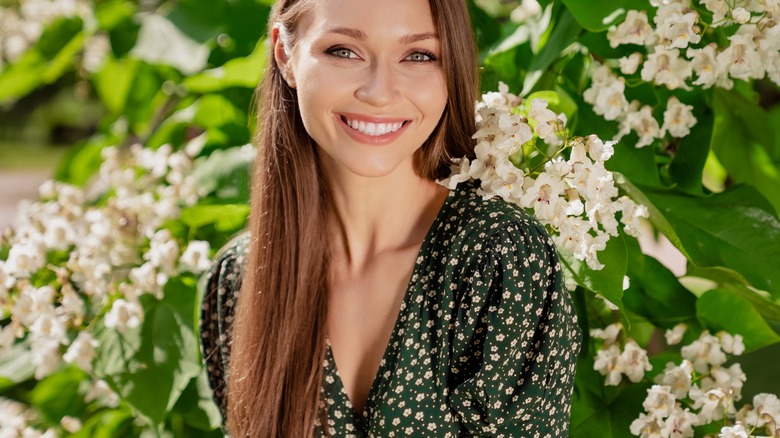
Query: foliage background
point(183, 72)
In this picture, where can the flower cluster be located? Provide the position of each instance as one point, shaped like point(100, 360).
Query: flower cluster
point(575, 197)
point(673, 52)
point(616, 359)
point(22, 26)
point(701, 390)
point(81, 255)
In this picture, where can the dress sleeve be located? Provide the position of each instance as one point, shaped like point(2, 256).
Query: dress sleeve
point(518, 337)
point(222, 284)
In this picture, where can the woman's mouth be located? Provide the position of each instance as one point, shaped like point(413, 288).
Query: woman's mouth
point(374, 129)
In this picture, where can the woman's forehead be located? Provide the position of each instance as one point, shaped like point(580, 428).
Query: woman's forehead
point(366, 19)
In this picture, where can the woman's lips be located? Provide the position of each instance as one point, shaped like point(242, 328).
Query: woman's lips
point(372, 130)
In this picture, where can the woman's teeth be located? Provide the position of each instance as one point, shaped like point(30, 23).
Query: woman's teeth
point(375, 129)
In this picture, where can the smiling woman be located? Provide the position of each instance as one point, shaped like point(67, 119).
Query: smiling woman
point(373, 301)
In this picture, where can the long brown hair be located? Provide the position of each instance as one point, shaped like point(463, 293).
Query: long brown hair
point(278, 345)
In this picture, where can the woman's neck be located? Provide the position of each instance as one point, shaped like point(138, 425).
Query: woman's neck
point(379, 214)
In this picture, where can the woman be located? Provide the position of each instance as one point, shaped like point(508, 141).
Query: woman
point(374, 301)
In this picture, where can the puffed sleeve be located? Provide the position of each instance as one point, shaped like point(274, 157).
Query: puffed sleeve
point(222, 284)
point(518, 339)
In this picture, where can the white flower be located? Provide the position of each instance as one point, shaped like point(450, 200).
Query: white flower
point(713, 404)
point(609, 334)
point(45, 355)
point(82, 351)
point(608, 98)
point(730, 380)
point(678, 118)
point(719, 9)
point(643, 123)
point(124, 315)
point(735, 431)
point(7, 339)
point(635, 29)
point(704, 352)
point(675, 335)
point(766, 408)
point(676, 27)
point(607, 364)
point(633, 361)
point(70, 424)
point(731, 344)
point(632, 216)
point(680, 423)
point(549, 126)
point(459, 172)
point(647, 426)
point(196, 257)
point(659, 401)
point(740, 15)
point(709, 71)
point(526, 10)
point(163, 252)
point(677, 378)
point(741, 58)
point(665, 67)
point(629, 64)
point(26, 257)
point(544, 196)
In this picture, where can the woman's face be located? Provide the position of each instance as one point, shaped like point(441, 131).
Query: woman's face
point(369, 82)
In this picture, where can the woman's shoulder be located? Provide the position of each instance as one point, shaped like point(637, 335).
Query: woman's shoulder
point(228, 264)
point(478, 215)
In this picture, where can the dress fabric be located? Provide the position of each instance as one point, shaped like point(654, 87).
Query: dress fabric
point(484, 344)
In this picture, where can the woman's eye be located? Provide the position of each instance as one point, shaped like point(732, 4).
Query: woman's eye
point(421, 57)
point(342, 53)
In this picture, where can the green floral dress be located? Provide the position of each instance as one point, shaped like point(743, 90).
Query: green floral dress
point(485, 342)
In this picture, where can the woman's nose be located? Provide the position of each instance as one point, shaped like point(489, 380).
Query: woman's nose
point(380, 86)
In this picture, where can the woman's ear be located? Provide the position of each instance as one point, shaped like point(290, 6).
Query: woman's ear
point(282, 53)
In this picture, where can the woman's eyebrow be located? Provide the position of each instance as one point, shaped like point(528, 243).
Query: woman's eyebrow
point(361, 36)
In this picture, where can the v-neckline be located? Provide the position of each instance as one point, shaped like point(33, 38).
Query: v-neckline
point(383, 363)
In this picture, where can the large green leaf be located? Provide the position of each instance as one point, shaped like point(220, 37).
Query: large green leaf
point(600, 411)
point(654, 291)
point(239, 72)
point(161, 41)
point(743, 139)
point(196, 405)
point(564, 33)
point(687, 166)
point(737, 229)
point(724, 310)
point(151, 367)
point(607, 282)
point(108, 423)
point(58, 395)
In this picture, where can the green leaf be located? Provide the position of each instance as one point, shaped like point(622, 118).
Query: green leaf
point(687, 166)
point(743, 138)
point(600, 411)
point(114, 82)
point(16, 366)
point(167, 357)
point(226, 173)
point(225, 217)
point(564, 32)
point(607, 282)
point(724, 310)
point(80, 164)
point(160, 41)
point(45, 62)
point(654, 291)
point(737, 229)
point(58, 395)
point(196, 405)
point(597, 16)
point(112, 13)
point(109, 423)
point(239, 72)
point(214, 110)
